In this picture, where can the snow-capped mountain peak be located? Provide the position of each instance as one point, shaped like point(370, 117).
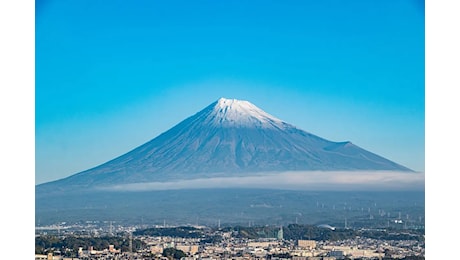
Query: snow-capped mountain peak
point(241, 113)
point(229, 137)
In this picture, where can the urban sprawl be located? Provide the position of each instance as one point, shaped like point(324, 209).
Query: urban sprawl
point(297, 242)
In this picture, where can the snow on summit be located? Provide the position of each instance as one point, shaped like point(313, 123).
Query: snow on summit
point(240, 113)
point(228, 138)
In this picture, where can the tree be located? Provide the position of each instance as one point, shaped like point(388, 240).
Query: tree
point(172, 253)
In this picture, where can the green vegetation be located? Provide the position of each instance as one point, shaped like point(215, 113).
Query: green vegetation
point(184, 232)
point(297, 232)
point(294, 232)
point(390, 234)
point(72, 243)
point(172, 253)
point(211, 239)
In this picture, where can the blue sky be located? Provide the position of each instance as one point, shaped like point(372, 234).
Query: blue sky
point(112, 75)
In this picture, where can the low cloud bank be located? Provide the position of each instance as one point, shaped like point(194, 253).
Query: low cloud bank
point(297, 180)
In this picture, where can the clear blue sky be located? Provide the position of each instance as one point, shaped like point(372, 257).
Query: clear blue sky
point(112, 75)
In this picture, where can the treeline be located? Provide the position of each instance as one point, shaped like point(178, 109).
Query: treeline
point(290, 232)
point(46, 243)
point(294, 232)
point(311, 232)
point(394, 235)
point(184, 232)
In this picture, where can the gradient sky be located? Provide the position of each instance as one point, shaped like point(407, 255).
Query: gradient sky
point(112, 75)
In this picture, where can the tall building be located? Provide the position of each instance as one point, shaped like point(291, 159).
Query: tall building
point(280, 233)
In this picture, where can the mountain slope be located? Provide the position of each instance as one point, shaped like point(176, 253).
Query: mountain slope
point(227, 138)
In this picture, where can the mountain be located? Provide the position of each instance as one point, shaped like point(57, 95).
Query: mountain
point(227, 138)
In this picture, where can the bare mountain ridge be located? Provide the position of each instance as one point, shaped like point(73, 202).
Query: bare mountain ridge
point(229, 138)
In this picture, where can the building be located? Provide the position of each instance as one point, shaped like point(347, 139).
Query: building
point(49, 256)
point(262, 244)
point(336, 254)
point(280, 233)
point(113, 250)
point(41, 257)
point(307, 244)
point(190, 249)
point(156, 249)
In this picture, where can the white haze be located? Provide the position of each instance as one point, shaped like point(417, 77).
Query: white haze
point(295, 180)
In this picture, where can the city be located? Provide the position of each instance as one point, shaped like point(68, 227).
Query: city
point(109, 240)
